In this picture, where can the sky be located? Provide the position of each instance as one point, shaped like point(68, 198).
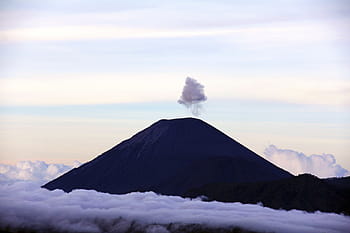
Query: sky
point(77, 77)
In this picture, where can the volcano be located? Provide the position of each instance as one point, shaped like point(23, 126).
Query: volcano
point(170, 157)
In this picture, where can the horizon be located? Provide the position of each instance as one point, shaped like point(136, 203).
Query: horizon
point(295, 162)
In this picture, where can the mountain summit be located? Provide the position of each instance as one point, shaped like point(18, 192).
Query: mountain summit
point(170, 157)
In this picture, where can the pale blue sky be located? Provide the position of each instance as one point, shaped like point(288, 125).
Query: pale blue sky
point(77, 77)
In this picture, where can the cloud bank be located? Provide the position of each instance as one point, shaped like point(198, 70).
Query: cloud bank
point(30, 207)
point(323, 165)
point(192, 96)
point(33, 171)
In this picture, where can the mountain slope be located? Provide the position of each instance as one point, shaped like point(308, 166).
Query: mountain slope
point(303, 192)
point(170, 157)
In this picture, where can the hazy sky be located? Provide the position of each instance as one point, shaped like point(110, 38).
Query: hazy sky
point(77, 77)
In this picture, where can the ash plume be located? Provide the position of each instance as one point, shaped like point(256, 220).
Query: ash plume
point(192, 96)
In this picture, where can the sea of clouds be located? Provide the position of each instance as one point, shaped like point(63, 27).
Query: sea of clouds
point(24, 205)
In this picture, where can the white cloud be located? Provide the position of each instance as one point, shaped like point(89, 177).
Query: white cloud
point(33, 171)
point(323, 165)
point(29, 206)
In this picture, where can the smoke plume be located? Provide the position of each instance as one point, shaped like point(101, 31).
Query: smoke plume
point(192, 96)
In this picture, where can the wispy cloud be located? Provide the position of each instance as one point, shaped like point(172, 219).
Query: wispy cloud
point(286, 33)
point(287, 36)
point(58, 22)
point(98, 32)
point(121, 88)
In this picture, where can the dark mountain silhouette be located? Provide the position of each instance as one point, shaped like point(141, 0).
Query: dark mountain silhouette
point(170, 157)
point(303, 192)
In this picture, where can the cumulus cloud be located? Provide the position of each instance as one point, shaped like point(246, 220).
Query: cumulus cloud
point(30, 207)
point(33, 170)
point(323, 165)
point(192, 96)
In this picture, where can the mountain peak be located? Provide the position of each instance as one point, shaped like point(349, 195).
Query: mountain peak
point(181, 119)
point(170, 157)
point(186, 121)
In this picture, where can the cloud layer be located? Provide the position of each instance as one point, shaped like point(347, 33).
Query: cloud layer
point(323, 165)
point(31, 207)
